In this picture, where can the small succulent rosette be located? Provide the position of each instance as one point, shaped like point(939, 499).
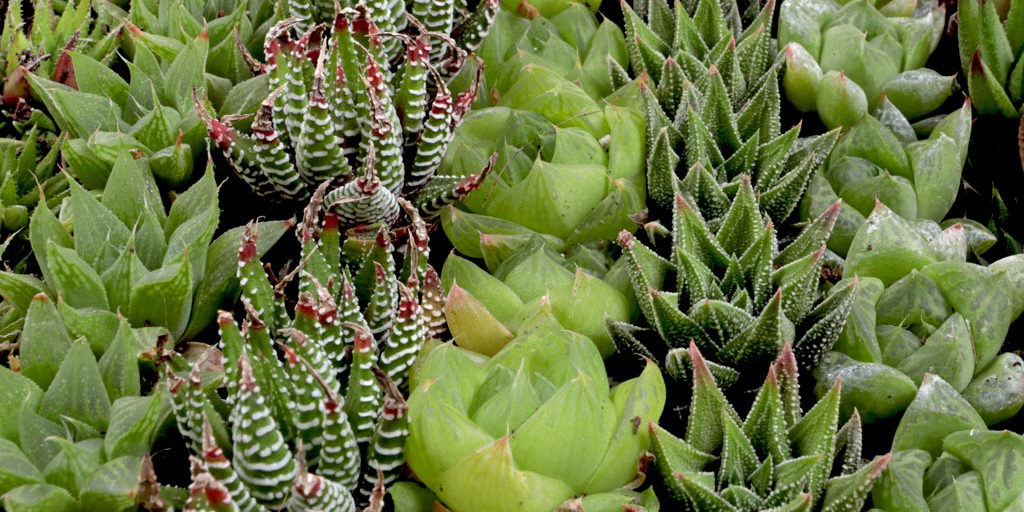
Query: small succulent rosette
point(777, 458)
point(841, 56)
point(531, 428)
point(916, 173)
point(923, 310)
point(991, 39)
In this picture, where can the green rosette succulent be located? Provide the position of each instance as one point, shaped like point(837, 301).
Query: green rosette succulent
point(778, 458)
point(841, 56)
point(922, 309)
point(881, 157)
point(28, 174)
point(991, 40)
point(730, 289)
point(122, 252)
point(712, 107)
point(568, 151)
point(945, 459)
point(79, 422)
point(531, 428)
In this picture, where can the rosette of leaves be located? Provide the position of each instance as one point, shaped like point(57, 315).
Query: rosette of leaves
point(841, 56)
point(991, 40)
point(731, 290)
point(307, 378)
point(40, 45)
point(27, 173)
point(712, 108)
point(567, 146)
point(151, 113)
point(79, 422)
point(881, 158)
point(337, 112)
point(532, 428)
point(945, 459)
point(777, 458)
point(122, 251)
point(923, 309)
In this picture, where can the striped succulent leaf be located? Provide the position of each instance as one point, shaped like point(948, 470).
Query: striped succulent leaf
point(337, 112)
point(310, 377)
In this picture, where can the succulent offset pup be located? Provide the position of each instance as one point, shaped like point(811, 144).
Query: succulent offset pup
point(923, 309)
point(336, 112)
point(531, 428)
point(880, 157)
point(731, 290)
point(991, 39)
point(317, 389)
point(778, 458)
point(841, 56)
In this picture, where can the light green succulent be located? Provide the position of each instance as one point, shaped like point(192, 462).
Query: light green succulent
point(531, 428)
point(843, 56)
point(945, 460)
point(776, 459)
point(923, 309)
point(880, 158)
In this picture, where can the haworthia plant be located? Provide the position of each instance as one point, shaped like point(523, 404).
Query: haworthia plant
point(77, 426)
point(711, 104)
point(532, 428)
point(991, 40)
point(841, 57)
point(336, 112)
point(777, 458)
point(310, 378)
point(881, 158)
point(923, 309)
point(731, 290)
point(124, 253)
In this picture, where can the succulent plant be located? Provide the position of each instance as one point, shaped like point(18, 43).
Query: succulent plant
point(123, 252)
point(731, 290)
point(714, 99)
point(319, 396)
point(42, 47)
point(923, 309)
point(945, 459)
point(530, 428)
point(567, 146)
point(880, 157)
point(777, 458)
point(77, 426)
point(841, 56)
point(991, 39)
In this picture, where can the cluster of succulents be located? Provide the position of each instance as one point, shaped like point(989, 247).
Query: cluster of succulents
point(629, 207)
point(843, 57)
point(923, 310)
